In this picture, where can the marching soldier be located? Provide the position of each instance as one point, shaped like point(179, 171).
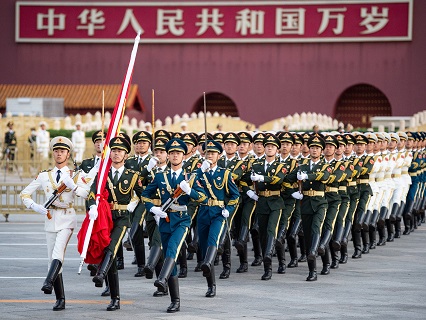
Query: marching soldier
point(313, 173)
point(175, 222)
point(78, 138)
point(222, 199)
point(268, 175)
point(42, 141)
point(60, 220)
point(121, 183)
point(87, 164)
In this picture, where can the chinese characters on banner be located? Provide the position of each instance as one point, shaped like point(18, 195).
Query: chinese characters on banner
point(226, 22)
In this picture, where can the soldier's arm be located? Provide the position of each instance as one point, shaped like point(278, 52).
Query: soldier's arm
point(91, 200)
point(321, 175)
point(232, 193)
point(29, 190)
point(148, 193)
point(197, 191)
point(278, 176)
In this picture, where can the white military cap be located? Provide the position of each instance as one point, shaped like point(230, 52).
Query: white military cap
point(61, 142)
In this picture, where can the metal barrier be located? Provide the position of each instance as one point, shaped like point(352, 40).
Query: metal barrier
point(11, 202)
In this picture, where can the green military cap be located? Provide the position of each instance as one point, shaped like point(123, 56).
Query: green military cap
point(202, 137)
point(371, 136)
point(272, 139)
point(142, 136)
point(190, 139)
point(361, 139)
point(164, 134)
point(245, 137)
point(61, 142)
point(212, 145)
point(177, 135)
point(330, 139)
point(176, 145)
point(410, 135)
point(231, 137)
point(350, 138)
point(306, 136)
point(120, 143)
point(298, 138)
point(258, 137)
point(316, 141)
point(124, 136)
point(218, 136)
point(160, 144)
point(98, 135)
point(285, 137)
point(342, 139)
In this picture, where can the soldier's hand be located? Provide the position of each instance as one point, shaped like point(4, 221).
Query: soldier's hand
point(158, 212)
point(297, 195)
point(69, 182)
point(132, 206)
point(184, 185)
point(252, 195)
point(93, 212)
point(157, 220)
point(302, 176)
point(152, 163)
point(225, 213)
point(205, 165)
point(257, 177)
point(39, 208)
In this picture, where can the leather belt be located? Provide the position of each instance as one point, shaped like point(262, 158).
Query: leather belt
point(313, 193)
point(52, 207)
point(396, 175)
point(212, 202)
point(116, 206)
point(352, 183)
point(156, 202)
point(362, 181)
point(331, 189)
point(413, 174)
point(388, 175)
point(269, 193)
point(404, 170)
point(343, 188)
point(176, 208)
point(379, 179)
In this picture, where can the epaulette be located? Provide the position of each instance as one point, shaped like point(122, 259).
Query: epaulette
point(131, 171)
point(47, 170)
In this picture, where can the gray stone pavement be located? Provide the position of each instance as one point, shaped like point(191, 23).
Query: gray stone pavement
point(388, 283)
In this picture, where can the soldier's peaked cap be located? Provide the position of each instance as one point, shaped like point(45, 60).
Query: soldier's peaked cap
point(245, 137)
point(120, 143)
point(176, 144)
point(190, 139)
point(286, 137)
point(61, 142)
point(258, 137)
point(231, 137)
point(142, 136)
point(272, 139)
point(98, 135)
point(361, 139)
point(316, 141)
point(212, 146)
point(332, 140)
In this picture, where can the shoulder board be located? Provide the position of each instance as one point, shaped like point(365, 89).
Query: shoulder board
point(47, 170)
point(131, 171)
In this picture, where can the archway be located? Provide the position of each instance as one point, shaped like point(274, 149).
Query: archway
point(216, 102)
point(358, 103)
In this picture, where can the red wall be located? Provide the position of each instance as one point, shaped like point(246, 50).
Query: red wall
point(266, 81)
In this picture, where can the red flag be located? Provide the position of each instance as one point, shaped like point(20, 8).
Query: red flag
point(102, 226)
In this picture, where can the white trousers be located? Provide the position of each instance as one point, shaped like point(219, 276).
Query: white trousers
point(57, 244)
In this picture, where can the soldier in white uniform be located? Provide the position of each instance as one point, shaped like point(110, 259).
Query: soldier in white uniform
point(79, 141)
point(42, 141)
point(60, 219)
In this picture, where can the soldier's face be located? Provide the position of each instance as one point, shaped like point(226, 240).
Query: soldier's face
point(315, 152)
point(384, 145)
point(409, 144)
point(244, 147)
point(189, 147)
point(161, 155)
point(401, 144)
point(377, 146)
point(285, 147)
point(349, 148)
point(230, 148)
point(329, 150)
point(295, 149)
point(98, 146)
point(117, 155)
point(370, 147)
point(305, 148)
point(271, 150)
point(392, 145)
point(175, 157)
point(339, 151)
point(259, 148)
point(360, 148)
point(60, 155)
point(213, 156)
point(142, 147)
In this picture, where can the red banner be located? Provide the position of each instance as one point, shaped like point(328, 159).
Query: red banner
point(214, 22)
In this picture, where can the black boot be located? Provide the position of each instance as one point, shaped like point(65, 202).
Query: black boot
point(242, 239)
point(183, 264)
point(120, 258)
point(382, 217)
point(223, 237)
point(325, 239)
point(343, 255)
point(372, 235)
point(374, 218)
point(140, 258)
point(360, 217)
point(158, 268)
point(99, 278)
point(394, 212)
point(115, 291)
point(281, 257)
point(326, 262)
point(154, 256)
point(337, 237)
point(312, 255)
point(269, 250)
point(55, 267)
point(257, 249)
point(295, 228)
point(207, 264)
point(292, 249)
point(174, 295)
point(193, 246)
point(382, 236)
point(58, 285)
point(226, 262)
point(302, 248)
point(356, 238)
point(242, 254)
point(391, 233)
point(398, 228)
point(267, 267)
point(365, 241)
point(166, 270)
point(312, 264)
point(334, 258)
point(93, 268)
point(211, 283)
point(346, 230)
point(106, 292)
point(367, 220)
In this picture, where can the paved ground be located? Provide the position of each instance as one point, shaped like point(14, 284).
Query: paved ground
point(388, 283)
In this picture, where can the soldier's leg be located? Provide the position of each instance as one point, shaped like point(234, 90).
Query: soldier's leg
point(257, 249)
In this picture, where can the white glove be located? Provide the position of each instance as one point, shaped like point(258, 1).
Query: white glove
point(297, 195)
point(158, 212)
point(205, 166)
point(225, 213)
point(38, 208)
point(302, 176)
point(60, 204)
point(132, 205)
point(157, 220)
point(252, 195)
point(184, 185)
point(69, 182)
point(152, 163)
point(257, 177)
point(93, 212)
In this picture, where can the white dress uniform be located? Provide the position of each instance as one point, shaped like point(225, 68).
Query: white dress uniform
point(78, 139)
point(42, 143)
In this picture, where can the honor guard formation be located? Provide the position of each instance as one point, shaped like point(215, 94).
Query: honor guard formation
point(196, 196)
